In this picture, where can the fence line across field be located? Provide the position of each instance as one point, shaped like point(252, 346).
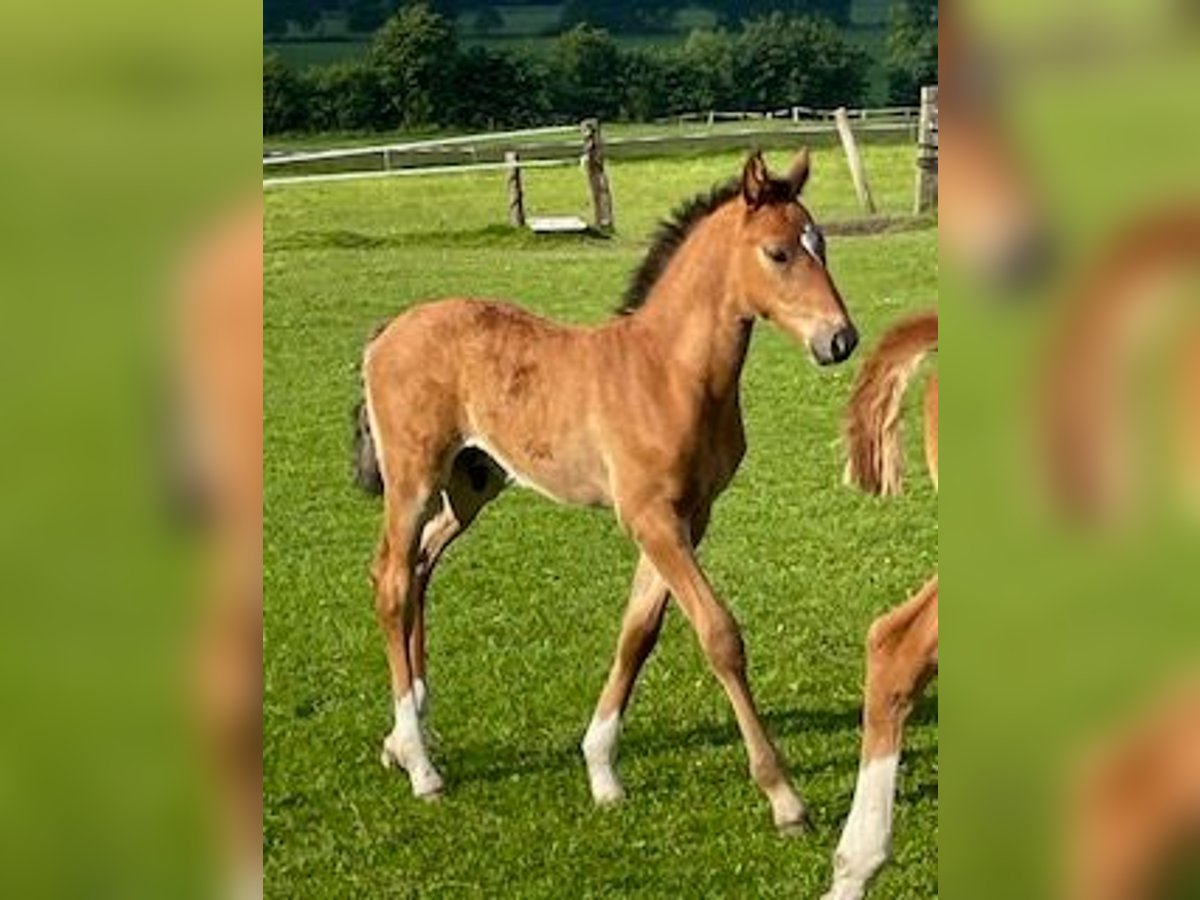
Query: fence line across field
point(550, 151)
point(414, 146)
point(590, 155)
point(796, 114)
point(415, 170)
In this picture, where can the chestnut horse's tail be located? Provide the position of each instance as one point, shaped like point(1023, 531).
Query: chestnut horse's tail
point(875, 457)
point(367, 474)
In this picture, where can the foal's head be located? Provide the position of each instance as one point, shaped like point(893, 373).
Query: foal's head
point(779, 262)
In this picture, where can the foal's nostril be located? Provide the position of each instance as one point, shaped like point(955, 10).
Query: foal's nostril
point(843, 343)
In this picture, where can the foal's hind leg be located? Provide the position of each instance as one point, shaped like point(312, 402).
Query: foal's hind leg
point(474, 480)
point(405, 512)
point(639, 633)
point(902, 648)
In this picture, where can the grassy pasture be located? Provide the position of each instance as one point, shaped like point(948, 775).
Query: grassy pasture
point(525, 609)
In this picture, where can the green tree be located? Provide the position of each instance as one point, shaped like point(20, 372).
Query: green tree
point(346, 96)
point(285, 98)
point(585, 70)
point(496, 89)
point(912, 49)
point(708, 63)
point(414, 55)
point(644, 76)
point(783, 61)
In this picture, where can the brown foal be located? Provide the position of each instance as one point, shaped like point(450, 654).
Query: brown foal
point(902, 645)
point(640, 414)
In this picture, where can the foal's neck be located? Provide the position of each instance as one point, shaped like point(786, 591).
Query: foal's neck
point(693, 315)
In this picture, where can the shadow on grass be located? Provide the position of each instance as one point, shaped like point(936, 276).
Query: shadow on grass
point(476, 763)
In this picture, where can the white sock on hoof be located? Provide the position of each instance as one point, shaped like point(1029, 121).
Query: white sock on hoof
point(787, 809)
point(406, 747)
point(866, 839)
point(600, 752)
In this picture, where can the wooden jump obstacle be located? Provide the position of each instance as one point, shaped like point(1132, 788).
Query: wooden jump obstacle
point(592, 163)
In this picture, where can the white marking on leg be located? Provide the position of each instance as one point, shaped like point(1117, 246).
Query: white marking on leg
point(867, 837)
point(787, 809)
point(600, 752)
point(405, 746)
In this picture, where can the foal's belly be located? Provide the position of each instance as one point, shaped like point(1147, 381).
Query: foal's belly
point(570, 478)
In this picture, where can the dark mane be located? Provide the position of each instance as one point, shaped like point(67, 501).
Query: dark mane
point(673, 231)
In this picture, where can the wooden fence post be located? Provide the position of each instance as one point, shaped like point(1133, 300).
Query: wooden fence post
point(857, 171)
point(927, 151)
point(516, 195)
point(593, 166)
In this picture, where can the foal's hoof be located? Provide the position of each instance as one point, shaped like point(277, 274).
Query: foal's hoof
point(788, 812)
point(425, 780)
point(795, 829)
point(612, 795)
point(606, 787)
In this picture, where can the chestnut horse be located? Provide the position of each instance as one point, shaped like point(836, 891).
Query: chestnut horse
point(902, 645)
point(640, 414)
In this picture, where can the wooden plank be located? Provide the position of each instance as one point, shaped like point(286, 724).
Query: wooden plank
point(858, 171)
point(927, 152)
point(516, 196)
point(557, 224)
point(593, 165)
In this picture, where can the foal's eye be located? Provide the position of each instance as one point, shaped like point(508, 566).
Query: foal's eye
point(778, 255)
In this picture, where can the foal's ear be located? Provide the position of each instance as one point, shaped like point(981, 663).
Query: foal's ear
point(755, 180)
point(798, 172)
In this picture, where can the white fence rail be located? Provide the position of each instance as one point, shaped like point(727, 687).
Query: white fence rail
point(551, 146)
point(386, 150)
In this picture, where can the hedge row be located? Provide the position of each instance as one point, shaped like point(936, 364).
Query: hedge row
point(417, 75)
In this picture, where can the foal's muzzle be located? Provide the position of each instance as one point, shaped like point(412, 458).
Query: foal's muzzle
point(834, 345)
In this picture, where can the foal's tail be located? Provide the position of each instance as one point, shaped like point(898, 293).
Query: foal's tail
point(875, 457)
point(367, 474)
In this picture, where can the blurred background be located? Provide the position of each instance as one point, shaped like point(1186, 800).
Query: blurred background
point(130, 138)
point(1070, 511)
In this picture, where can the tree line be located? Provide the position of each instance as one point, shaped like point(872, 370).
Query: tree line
point(416, 74)
point(615, 16)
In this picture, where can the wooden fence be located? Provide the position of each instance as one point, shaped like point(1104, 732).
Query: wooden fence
point(568, 145)
point(927, 151)
point(558, 145)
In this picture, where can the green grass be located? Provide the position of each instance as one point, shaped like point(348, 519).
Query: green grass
point(525, 609)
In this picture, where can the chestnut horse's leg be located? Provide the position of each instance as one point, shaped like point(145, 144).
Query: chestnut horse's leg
point(405, 513)
point(639, 633)
point(663, 537)
point(474, 480)
point(902, 648)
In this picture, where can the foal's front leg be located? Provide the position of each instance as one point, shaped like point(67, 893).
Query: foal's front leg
point(664, 538)
point(902, 648)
